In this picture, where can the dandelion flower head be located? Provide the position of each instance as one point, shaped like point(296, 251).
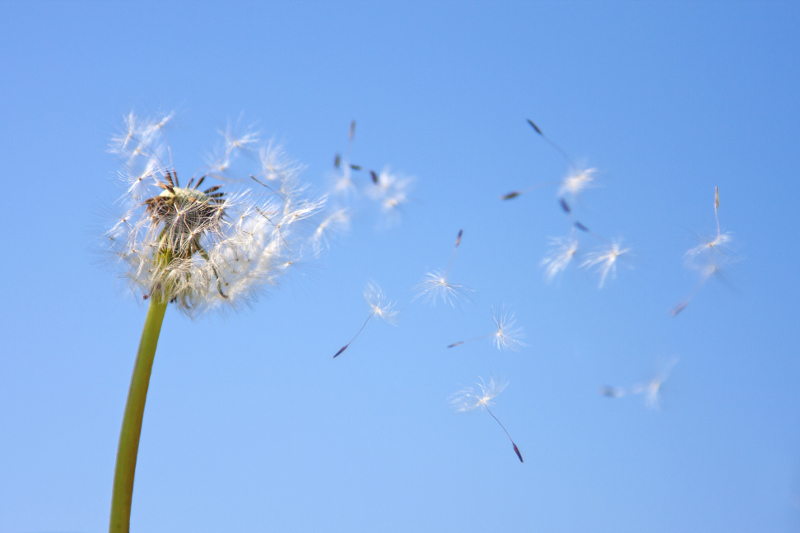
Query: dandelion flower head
point(202, 247)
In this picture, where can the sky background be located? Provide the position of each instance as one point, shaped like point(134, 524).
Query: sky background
point(252, 426)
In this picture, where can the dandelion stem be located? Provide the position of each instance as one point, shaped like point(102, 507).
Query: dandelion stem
point(132, 420)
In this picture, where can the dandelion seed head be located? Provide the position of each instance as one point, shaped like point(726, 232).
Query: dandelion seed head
point(198, 248)
point(471, 398)
point(605, 260)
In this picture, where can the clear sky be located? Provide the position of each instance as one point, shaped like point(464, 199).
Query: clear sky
point(252, 426)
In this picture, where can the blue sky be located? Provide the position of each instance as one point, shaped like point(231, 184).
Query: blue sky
point(252, 426)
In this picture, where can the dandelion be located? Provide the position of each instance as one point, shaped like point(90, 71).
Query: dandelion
point(562, 251)
point(470, 398)
point(605, 259)
point(436, 286)
point(380, 309)
point(708, 258)
point(197, 246)
point(505, 335)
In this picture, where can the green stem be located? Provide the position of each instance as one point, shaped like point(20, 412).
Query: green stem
point(132, 421)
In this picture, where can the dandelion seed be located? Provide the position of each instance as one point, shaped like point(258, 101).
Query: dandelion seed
point(576, 181)
point(343, 181)
point(605, 259)
point(337, 222)
point(436, 286)
point(563, 250)
point(380, 309)
point(470, 398)
point(343, 184)
point(554, 145)
point(244, 142)
point(505, 335)
point(391, 192)
point(652, 389)
point(612, 392)
point(708, 258)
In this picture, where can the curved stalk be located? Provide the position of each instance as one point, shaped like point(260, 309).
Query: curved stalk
point(132, 420)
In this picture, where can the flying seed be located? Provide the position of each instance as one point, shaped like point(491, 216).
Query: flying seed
point(505, 334)
point(535, 127)
point(516, 450)
point(375, 299)
point(436, 285)
point(469, 399)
